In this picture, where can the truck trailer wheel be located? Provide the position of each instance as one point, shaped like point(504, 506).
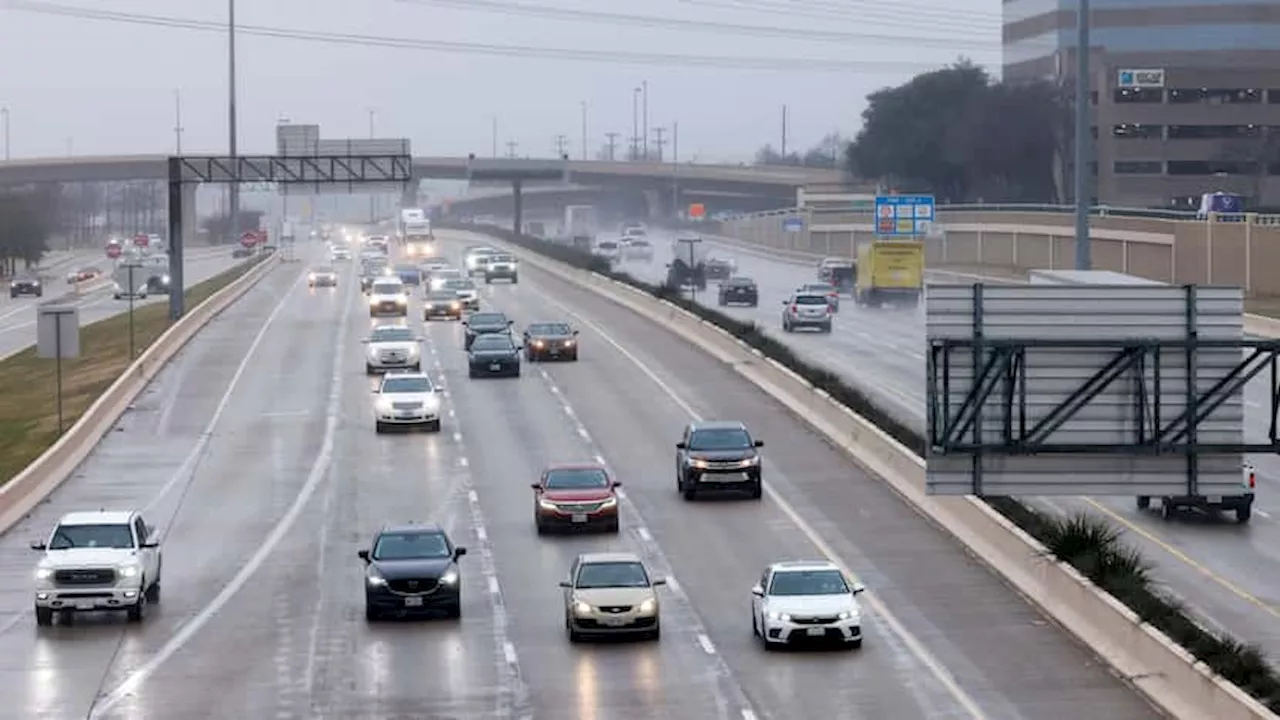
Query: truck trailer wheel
point(1243, 513)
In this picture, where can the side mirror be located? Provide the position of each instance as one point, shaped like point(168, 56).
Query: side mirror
point(858, 589)
point(536, 486)
point(459, 552)
point(365, 341)
point(363, 555)
point(759, 443)
point(757, 591)
point(575, 333)
point(149, 545)
point(617, 484)
point(566, 584)
point(37, 545)
point(510, 323)
point(784, 302)
point(659, 581)
point(682, 446)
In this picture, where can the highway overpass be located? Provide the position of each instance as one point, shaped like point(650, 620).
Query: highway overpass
point(549, 202)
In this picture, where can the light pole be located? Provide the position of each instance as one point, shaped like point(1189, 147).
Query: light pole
point(1084, 259)
point(372, 213)
point(177, 121)
point(584, 129)
point(645, 133)
point(4, 120)
point(635, 124)
point(233, 200)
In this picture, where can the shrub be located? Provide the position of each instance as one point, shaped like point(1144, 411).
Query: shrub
point(1085, 542)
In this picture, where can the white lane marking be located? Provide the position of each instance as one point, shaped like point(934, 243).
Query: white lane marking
point(319, 470)
point(509, 652)
point(482, 534)
point(472, 496)
point(457, 437)
point(600, 459)
point(643, 532)
point(582, 433)
point(674, 586)
point(913, 644)
point(748, 715)
point(1263, 513)
point(705, 642)
point(187, 469)
point(463, 462)
point(494, 588)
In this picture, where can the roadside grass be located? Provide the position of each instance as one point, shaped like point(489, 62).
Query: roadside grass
point(28, 384)
point(1087, 543)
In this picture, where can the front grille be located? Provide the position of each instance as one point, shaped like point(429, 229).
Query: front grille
point(726, 465)
point(578, 507)
point(614, 609)
point(820, 620)
point(79, 577)
point(406, 405)
point(413, 586)
point(393, 356)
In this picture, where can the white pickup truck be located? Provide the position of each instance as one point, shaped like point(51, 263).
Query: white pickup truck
point(95, 561)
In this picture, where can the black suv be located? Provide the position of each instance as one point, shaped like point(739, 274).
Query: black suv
point(718, 455)
point(484, 324)
point(29, 285)
point(739, 291)
point(412, 569)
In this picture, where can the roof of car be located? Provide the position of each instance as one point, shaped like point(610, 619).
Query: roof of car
point(97, 517)
point(718, 425)
point(607, 557)
point(576, 466)
point(803, 565)
point(412, 527)
point(740, 280)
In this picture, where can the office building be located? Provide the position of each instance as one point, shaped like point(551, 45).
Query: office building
point(1186, 93)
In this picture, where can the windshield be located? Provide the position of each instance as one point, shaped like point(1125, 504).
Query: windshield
point(720, 439)
point(576, 479)
point(324, 270)
point(411, 546)
point(414, 384)
point(392, 334)
point(821, 289)
point(808, 582)
point(741, 281)
point(387, 288)
point(640, 242)
point(502, 258)
point(612, 575)
point(460, 285)
point(492, 342)
point(91, 536)
point(549, 329)
point(442, 297)
point(608, 245)
point(488, 319)
point(809, 300)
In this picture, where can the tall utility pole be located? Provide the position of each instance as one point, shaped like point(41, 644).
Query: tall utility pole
point(562, 143)
point(4, 120)
point(511, 148)
point(373, 214)
point(675, 169)
point(495, 136)
point(635, 124)
point(644, 85)
point(233, 200)
point(613, 142)
point(1084, 259)
point(657, 140)
point(177, 121)
point(584, 130)
point(784, 133)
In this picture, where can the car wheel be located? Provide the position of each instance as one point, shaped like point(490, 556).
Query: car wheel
point(1243, 513)
point(454, 611)
point(371, 615)
point(855, 644)
point(690, 491)
point(757, 490)
point(135, 610)
point(515, 279)
point(539, 527)
point(472, 374)
point(44, 616)
point(379, 428)
point(369, 369)
point(574, 356)
point(1144, 502)
point(612, 526)
point(153, 593)
point(755, 626)
point(1166, 509)
point(417, 367)
point(433, 426)
point(656, 634)
point(516, 373)
point(574, 636)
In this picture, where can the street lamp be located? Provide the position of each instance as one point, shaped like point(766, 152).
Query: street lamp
point(635, 124)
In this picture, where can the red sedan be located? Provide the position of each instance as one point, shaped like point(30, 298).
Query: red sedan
point(569, 497)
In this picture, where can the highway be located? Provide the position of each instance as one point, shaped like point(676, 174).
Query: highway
point(93, 298)
point(1229, 574)
point(265, 483)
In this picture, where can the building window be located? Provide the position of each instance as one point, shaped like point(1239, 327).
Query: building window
point(1138, 131)
point(1212, 167)
point(1213, 132)
point(1215, 96)
point(1138, 167)
point(1273, 96)
point(1139, 95)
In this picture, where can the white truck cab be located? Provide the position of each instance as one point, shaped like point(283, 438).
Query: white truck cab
point(93, 561)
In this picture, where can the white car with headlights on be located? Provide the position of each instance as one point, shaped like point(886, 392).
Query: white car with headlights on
point(611, 595)
point(800, 602)
point(392, 347)
point(388, 296)
point(406, 400)
point(324, 276)
point(95, 561)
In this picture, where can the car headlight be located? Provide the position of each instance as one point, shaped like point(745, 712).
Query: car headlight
point(401, 300)
point(698, 463)
point(449, 578)
point(165, 279)
point(455, 306)
point(581, 608)
point(384, 405)
point(846, 615)
point(44, 573)
point(538, 343)
point(608, 503)
point(312, 277)
point(774, 615)
point(648, 606)
point(547, 505)
point(374, 578)
point(568, 343)
point(129, 571)
point(750, 462)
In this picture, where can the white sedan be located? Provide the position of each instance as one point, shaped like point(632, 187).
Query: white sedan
point(406, 400)
point(393, 347)
point(802, 601)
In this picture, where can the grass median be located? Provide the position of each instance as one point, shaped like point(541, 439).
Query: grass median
point(1087, 543)
point(28, 384)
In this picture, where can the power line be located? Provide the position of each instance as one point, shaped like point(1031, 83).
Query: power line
point(604, 56)
point(694, 25)
point(854, 10)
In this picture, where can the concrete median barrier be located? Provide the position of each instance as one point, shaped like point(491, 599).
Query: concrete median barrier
point(1167, 675)
point(51, 469)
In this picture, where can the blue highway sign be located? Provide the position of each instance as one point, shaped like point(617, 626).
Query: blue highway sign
point(903, 215)
point(793, 224)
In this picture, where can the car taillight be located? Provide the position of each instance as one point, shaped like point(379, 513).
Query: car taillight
point(795, 309)
point(1253, 481)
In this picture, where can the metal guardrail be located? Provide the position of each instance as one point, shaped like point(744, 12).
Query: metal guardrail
point(1100, 211)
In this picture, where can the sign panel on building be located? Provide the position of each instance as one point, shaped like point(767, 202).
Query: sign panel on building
point(1064, 389)
point(1151, 78)
point(793, 225)
point(903, 215)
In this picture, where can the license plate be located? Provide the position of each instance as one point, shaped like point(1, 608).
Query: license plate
point(613, 621)
point(816, 632)
point(730, 477)
point(84, 605)
point(405, 414)
point(413, 602)
point(579, 518)
point(1214, 498)
point(555, 352)
point(495, 366)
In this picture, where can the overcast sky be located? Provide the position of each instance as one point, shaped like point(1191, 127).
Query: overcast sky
point(98, 86)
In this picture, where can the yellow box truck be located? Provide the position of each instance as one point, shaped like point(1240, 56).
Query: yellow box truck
point(890, 272)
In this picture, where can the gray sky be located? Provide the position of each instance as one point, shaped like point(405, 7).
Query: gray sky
point(94, 86)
